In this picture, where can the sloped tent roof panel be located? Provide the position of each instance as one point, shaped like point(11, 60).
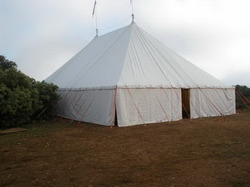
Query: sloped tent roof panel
point(149, 63)
point(129, 57)
point(97, 65)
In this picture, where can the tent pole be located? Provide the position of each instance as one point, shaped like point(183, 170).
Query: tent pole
point(132, 11)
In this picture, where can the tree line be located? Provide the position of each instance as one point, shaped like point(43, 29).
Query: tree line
point(22, 98)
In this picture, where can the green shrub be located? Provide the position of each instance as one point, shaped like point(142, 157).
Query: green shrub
point(242, 96)
point(22, 98)
point(47, 97)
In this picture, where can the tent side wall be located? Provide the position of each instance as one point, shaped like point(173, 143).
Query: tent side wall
point(149, 105)
point(142, 105)
point(95, 106)
point(205, 102)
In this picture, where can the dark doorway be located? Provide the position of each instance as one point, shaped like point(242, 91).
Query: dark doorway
point(185, 98)
point(116, 121)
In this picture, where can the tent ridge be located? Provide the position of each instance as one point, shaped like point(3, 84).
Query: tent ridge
point(126, 54)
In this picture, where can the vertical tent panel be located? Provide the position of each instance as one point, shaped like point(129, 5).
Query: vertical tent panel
point(151, 105)
point(225, 98)
point(176, 106)
point(212, 102)
point(93, 106)
point(229, 96)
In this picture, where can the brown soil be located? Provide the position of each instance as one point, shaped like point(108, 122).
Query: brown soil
point(202, 152)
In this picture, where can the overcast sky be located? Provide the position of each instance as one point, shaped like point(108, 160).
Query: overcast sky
point(41, 35)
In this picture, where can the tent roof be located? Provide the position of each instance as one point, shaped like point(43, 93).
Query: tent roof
point(130, 57)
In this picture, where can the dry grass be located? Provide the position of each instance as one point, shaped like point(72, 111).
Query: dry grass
point(203, 152)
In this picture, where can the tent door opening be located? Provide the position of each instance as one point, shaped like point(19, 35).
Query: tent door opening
point(116, 121)
point(185, 98)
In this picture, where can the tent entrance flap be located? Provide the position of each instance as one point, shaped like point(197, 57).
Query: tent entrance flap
point(185, 98)
point(115, 120)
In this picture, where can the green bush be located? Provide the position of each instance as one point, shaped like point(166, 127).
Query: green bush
point(47, 96)
point(242, 96)
point(22, 98)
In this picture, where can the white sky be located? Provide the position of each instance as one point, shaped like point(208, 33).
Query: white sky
point(41, 35)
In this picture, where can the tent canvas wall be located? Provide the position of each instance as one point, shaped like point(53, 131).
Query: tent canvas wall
point(130, 76)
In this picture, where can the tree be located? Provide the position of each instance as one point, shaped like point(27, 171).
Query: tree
point(22, 98)
point(6, 64)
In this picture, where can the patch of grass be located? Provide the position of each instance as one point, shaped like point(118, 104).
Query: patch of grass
point(36, 129)
point(43, 128)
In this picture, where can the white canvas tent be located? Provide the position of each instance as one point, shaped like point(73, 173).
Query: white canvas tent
point(128, 77)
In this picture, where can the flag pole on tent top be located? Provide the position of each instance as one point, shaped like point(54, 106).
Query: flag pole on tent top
point(132, 10)
point(94, 14)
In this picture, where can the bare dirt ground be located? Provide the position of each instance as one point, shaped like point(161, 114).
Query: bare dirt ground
point(202, 152)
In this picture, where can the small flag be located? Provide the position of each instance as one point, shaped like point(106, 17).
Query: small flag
point(93, 13)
